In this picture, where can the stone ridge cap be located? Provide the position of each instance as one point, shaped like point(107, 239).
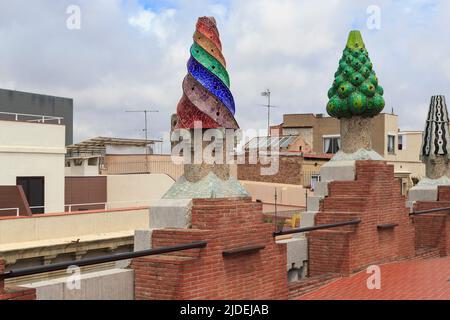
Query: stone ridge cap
point(76, 213)
point(195, 230)
point(169, 258)
point(235, 199)
point(336, 231)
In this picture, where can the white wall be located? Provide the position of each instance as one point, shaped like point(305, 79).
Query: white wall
point(34, 150)
point(116, 284)
point(287, 194)
point(131, 190)
point(85, 170)
point(14, 231)
point(125, 150)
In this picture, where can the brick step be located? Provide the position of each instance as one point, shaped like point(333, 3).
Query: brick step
point(343, 204)
point(444, 193)
point(347, 189)
point(329, 217)
point(426, 205)
point(426, 253)
point(299, 288)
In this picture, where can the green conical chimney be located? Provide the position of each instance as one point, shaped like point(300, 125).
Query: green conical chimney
point(355, 90)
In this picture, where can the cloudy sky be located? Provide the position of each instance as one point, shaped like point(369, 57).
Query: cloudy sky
point(132, 54)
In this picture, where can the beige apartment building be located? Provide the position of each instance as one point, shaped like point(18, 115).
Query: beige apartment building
point(322, 135)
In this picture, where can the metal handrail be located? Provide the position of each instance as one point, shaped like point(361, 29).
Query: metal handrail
point(417, 213)
point(98, 260)
point(104, 204)
point(70, 207)
point(11, 209)
point(42, 118)
point(319, 227)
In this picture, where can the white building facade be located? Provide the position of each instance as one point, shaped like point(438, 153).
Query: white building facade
point(32, 154)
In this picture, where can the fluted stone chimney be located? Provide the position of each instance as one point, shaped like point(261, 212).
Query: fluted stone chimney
point(436, 139)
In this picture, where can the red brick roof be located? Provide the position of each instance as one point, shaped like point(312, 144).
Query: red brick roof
point(409, 280)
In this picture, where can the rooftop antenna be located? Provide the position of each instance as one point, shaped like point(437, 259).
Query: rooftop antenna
point(267, 94)
point(145, 112)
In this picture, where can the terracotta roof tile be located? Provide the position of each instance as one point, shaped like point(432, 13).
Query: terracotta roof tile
point(409, 280)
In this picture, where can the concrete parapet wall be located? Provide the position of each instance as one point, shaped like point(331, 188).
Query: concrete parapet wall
point(15, 230)
point(171, 213)
point(115, 284)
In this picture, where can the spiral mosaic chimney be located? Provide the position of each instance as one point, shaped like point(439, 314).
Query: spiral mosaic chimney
point(355, 98)
point(206, 88)
point(207, 103)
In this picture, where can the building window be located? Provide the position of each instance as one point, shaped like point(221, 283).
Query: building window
point(315, 179)
point(331, 145)
point(391, 144)
point(92, 162)
point(34, 189)
point(401, 142)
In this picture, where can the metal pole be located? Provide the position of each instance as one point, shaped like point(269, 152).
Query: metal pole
point(319, 227)
point(417, 213)
point(145, 112)
point(146, 139)
point(268, 113)
point(146, 126)
point(306, 199)
point(276, 211)
point(99, 260)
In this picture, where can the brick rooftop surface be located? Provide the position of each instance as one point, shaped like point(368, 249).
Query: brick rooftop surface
point(409, 280)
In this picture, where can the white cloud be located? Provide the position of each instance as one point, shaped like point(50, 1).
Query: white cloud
point(158, 24)
point(125, 55)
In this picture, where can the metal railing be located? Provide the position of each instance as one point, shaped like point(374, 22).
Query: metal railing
point(421, 212)
point(12, 209)
point(107, 205)
point(319, 227)
point(38, 210)
point(17, 210)
point(99, 260)
point(34, 117)
point(71, 206)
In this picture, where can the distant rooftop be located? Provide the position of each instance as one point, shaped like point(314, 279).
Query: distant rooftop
point(3, 91)
point(268, 142)
point(40, 108)
point(98, 145)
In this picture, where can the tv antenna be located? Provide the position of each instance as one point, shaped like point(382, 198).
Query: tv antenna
point(146, 113)
point(269, 107)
